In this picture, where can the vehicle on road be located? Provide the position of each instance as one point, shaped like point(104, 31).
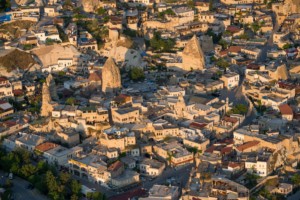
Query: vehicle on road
point(85, 190)
point(11, 176)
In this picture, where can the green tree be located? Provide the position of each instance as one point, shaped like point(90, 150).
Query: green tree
point(74, 197)
point(211, 6)
point(64, 178)
point(76, 188)
point(287, 46)
point(169, 12)
point(137, 74)
point(105, 19)
point(223, 43)
point(216, 37)
point(96, 196)
point(255, 26)
point(101, 11)
point(28, 170)
point(52, 186)
point(222, 63)
point(191, 4)
point(160, 44)
point(239, 109)
point(296, 179)
point(71, 101)
point(61, 73)
point(7, 4)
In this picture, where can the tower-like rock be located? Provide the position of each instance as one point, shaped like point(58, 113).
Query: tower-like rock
point(52, 87)
point(192, 56)
point(46, 100)
point(49, 94)
point(111, 77)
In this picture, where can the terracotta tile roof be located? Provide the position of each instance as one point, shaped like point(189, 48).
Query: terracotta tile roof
point(226, 150)
point(223, 53)
point(210, 149)
point(233, 165)
point(3, 79)
point(18, 92)
point(247, 145)
point(286, 85)
point(285, 109)
point(253, 66)
point(10, 123)
point(130, 194)
point(46, 146)
point(234, 49)
point(115, 166)
point(226, 141)
point(197, 125)
point(233, 29)
point(2, 101)
point(197, 3)
point(230, 119)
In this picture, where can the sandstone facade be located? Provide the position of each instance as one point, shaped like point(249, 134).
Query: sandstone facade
point(111, 78)
point(192, 56)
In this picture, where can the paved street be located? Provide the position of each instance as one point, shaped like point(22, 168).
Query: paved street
point(21, 193)
point(235, 97)
point(295, 196)
point(269, 45)
point(181, 176)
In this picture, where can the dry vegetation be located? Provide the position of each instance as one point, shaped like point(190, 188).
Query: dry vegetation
point(127, 42)
point(16, 59)
point(14, 28)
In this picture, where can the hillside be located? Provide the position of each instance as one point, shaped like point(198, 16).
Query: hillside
point(13, 29)
point(16, 59)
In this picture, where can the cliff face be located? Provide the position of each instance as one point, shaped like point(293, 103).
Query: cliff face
point(90, 5)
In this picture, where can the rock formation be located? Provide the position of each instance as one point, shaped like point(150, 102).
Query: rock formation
point(111, 78)
point(24, 2)
point(207, 44)
point(90, 5)
point(49, 55)
point(51, 83)
point(282, 72)
point(48, 95)
point(292, 6)
point(279, 72)
point(192, 56)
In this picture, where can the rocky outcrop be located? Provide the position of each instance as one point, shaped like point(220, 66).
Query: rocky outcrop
point(49, 55)
point(52, 87)
point(48, 96)
point(192, 56)
point(207, 44)
point(90, 5)
point(15, 60)
point(24, 2)
point(292, 5)
point(111, 78)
